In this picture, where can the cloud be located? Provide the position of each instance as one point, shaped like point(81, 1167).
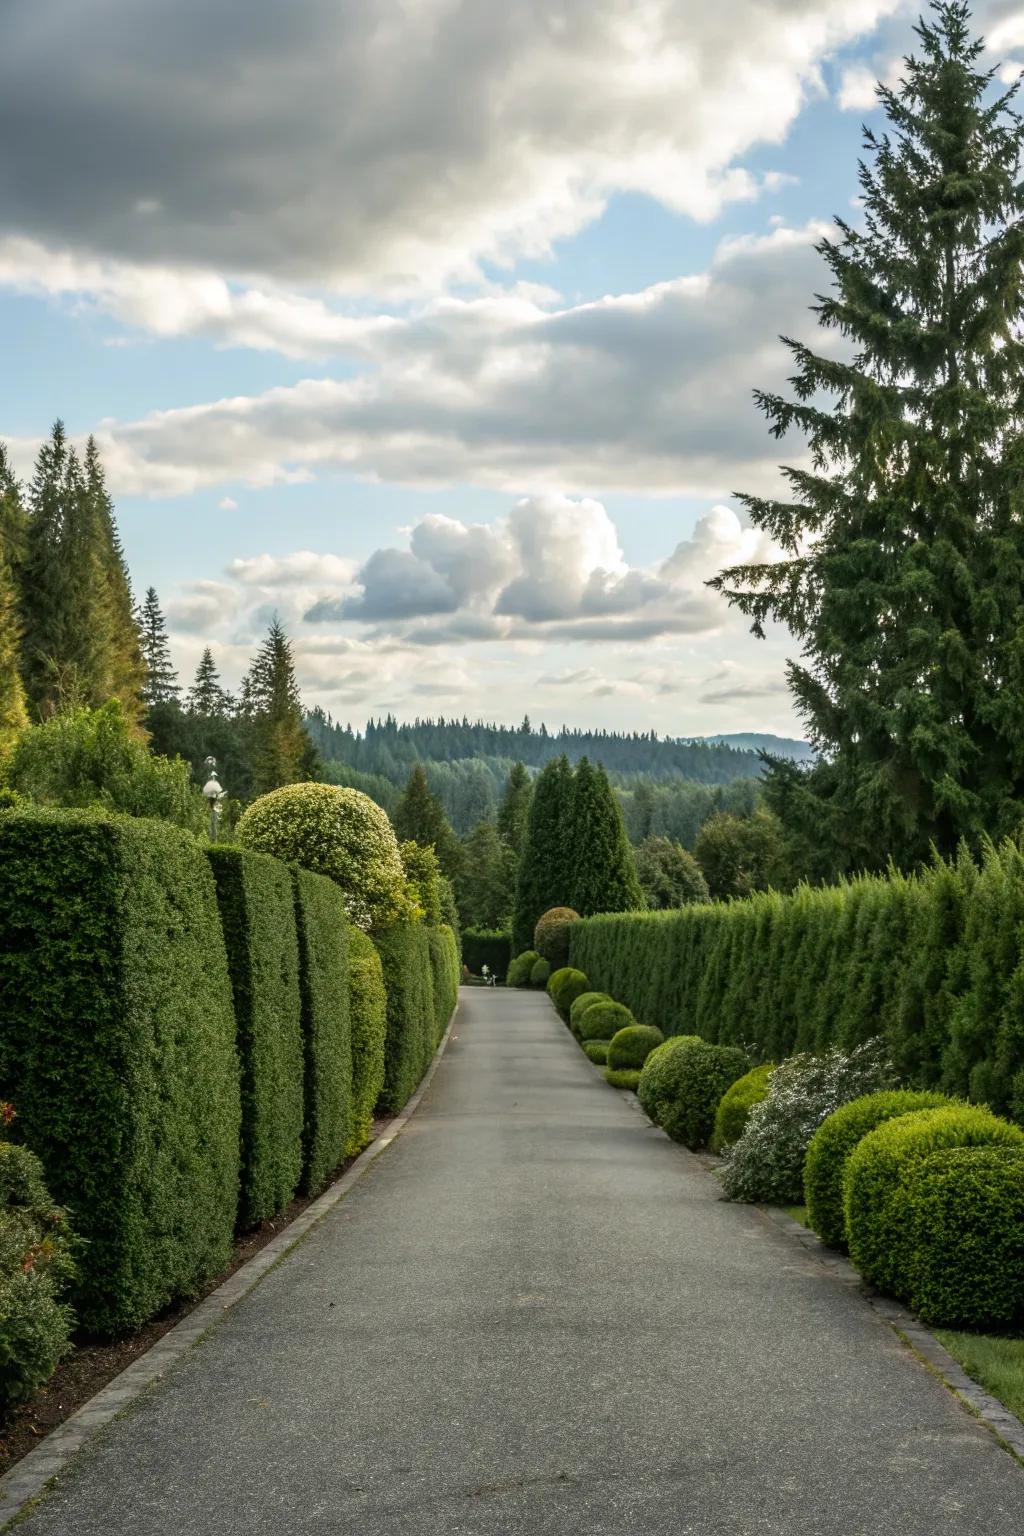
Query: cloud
point(734, 683)
point(647, 391)
point(301, 568)
point(358, 146)
point(228, 504)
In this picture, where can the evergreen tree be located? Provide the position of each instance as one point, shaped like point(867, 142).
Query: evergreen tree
point(488, 884)
point(515, 808)
point(13, 517)
point(206, 697)
point(669, 876)
point(161, 684)
point(85, 652)
point(904, 576)
point(545, 865)
point(741, 854)
point(13, 529)
point(127, 670)
point(603, 869)
point(419, 818)
point(281, 749)
point(44, 575)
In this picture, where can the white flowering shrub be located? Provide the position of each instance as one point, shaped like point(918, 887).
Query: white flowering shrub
point(767, 1163)
point(337, 832)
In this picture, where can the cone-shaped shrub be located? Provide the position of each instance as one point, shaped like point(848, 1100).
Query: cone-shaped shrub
point(520, 969)
point(878, 1210)
point(695, 1084)
point(597, 1050)
point(622, 1077)
point(604, 1020)
point(966, 1210)
point(565, 987)
point(540, 973)
point(580, 1006)
point(632, 1045)
point(736, 1103)
point(656, 1079)
point(551, 935)
point(832, 1144)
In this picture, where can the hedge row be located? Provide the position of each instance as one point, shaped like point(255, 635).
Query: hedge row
point(932, 961)
point(486, 946)
point(421, 979)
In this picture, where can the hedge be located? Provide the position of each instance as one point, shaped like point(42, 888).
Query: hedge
point(444, 973)
point(597, 1051)
point(658, 1075)
point(693, 1087)
point(36, 1265)
point(631, 1047)
point(486, 946)
point(551, 935)
point(879, 1213)
point(540, 973)
point(323, 929)
point(255, 896)
point(580, 1006)
point(622, 1077)
point(564, 987)
point(368, 1013)
point(967, 1216)
point(932, 961)
point(404, 951)
point(603, 1020)
point(833, 1142)
point(520, 968)
point(736, 1103)
point(118, 1050)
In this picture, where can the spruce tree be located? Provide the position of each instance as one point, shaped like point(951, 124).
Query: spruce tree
point(603, 869)
point(904, 571)
point(85, 647)
point(43, 575)
point(419, 818)
point(13, 530)
point(545, 865)
point(161, 681)
point(206, 697)
point(127, 670)
point(281, 749)
point(515, 808)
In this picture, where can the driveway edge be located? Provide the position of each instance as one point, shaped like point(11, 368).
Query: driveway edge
point(26, 1481)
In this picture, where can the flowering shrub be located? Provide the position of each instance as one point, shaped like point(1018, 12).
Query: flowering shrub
point(336, 832)
point(767, 1162)
point(35, 1267)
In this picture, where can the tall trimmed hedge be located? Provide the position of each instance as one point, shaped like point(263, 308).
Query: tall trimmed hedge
point(932, 961)
point(368, 1009)
point(486, 946)
point(118, 1050)
point(404, 951)
point(254, 892)
point(322, 925)
point(444, 974)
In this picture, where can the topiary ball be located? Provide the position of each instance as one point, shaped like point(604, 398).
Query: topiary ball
point(565, 987)
point(695, 1084)
point(875, 1201)
point(603, 1020)
point(737, 1102)
point(631, 1047)
point(656, 1077)
point(967, 1217)
point(551, 935)
point(622, 1077)
point(540, 971)
point(832, 1144)
point(580, 1006)
point(521, 969)
point(337, 832)
point(597, 1050)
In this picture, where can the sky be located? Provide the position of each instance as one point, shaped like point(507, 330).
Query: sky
point(432, 326)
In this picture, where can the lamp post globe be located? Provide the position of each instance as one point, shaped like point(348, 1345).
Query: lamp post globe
point(214, 793)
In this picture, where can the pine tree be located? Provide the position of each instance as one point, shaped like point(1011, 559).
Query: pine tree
point(515, 808)
point(604, 877)
point(904, 571)
point(206, 697)
point(281, 749)
point(127, 670)
point(161, 685)
point(488, 884)
point(43, 575)
point(419, 818)
point(545, 865)
point(13, 530)
point(85, 648)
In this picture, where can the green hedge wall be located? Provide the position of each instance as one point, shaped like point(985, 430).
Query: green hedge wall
point(445, 970)
point(118, 1050)
point(369, 1012)
point(933, 961)
point(254, 892)
point(326, 1025)
point(486, 946)
point(404, 951)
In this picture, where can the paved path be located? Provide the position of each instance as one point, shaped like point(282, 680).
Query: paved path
point(534, 1315)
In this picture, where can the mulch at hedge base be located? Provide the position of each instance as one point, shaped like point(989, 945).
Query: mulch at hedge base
point(94, 1364)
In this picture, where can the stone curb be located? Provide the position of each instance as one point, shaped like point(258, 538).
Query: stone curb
point(27, 1480)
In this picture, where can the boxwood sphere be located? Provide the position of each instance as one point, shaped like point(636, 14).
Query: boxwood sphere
point(565, 987)
point(736, 1103)
point(540, 970)
point(656, 1076)
point(966, 1210)
point(832, 1144)
point(337, 832)
point(603, 1020)
point(597, 1050)
point(551, 934)
point(622, 1077)
point(521, 968)
point(580, 1006)
point(875, 1184)
point(695, 1084)
point(632, 1045)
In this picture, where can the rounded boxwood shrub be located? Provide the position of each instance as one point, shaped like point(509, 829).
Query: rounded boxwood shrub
point(520, 970)
point(580, 1006)
point(737, 1102)
point(540, 971)
point(551, 934)
point(877, 1208)
point(967, 1219)
point(597, 1050)
point(604, 1020)
point(622, 1077)
point(336, 832)
point(565, 987)
point(835, 1139)
point(656, 1077)
point(36, 1264)
point(695, 1084)
point(631, 1046)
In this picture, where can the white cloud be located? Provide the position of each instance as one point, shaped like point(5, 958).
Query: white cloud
point(299, 569)
point(228, 504)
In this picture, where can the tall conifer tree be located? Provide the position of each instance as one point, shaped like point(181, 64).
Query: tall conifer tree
point(419, 818)
point(13, 530)
point(515, 808)
point(206, 697)
point(161, 680)
point(282, 752)
point(127, 669)
point(604, 877)
point(545, 865)
point(43, 578)
point(904, 571)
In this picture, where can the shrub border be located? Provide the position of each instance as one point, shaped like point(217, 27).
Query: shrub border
point(28, 1481)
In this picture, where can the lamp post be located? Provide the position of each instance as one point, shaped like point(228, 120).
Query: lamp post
point(214, 792)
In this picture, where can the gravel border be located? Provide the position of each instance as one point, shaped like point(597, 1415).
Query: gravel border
point(27, 1480)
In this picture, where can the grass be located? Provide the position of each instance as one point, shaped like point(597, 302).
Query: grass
point(995, 1364)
